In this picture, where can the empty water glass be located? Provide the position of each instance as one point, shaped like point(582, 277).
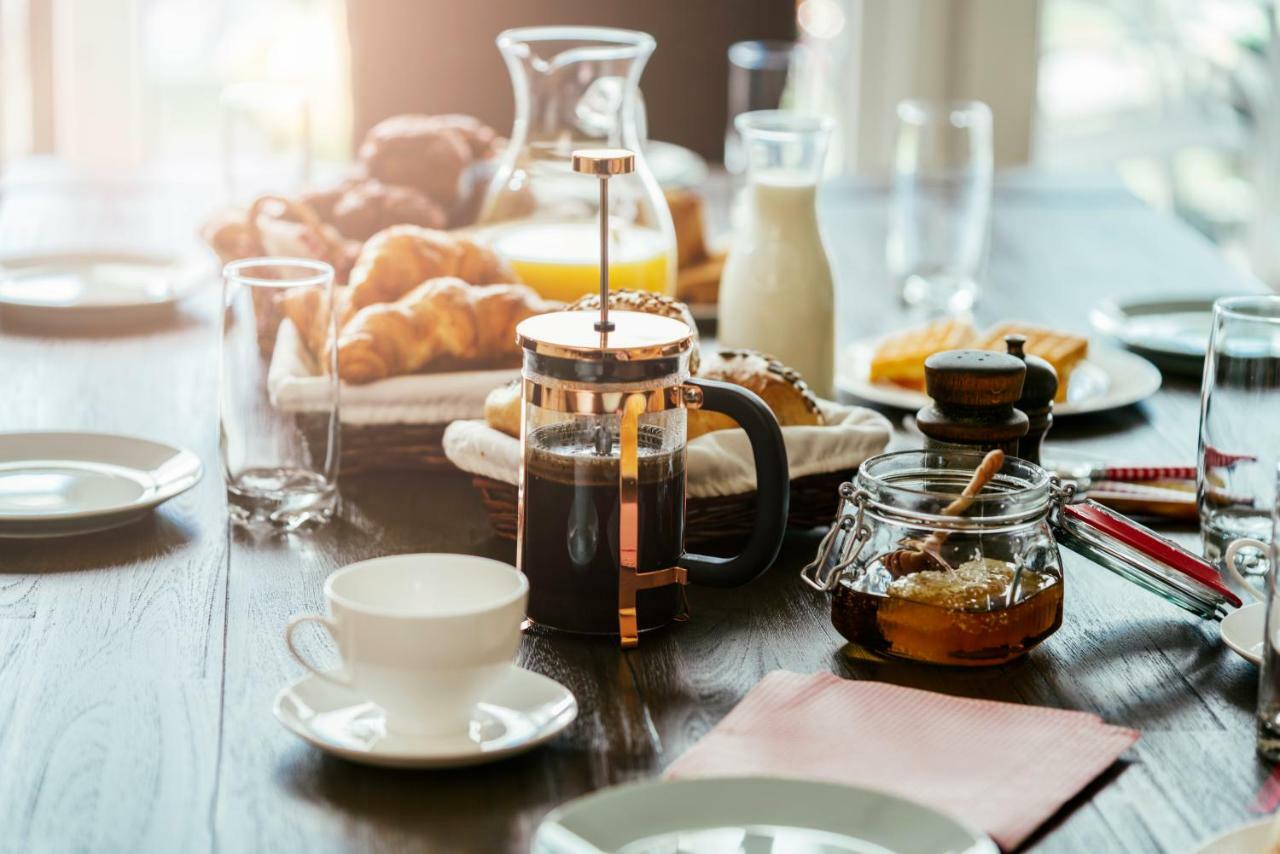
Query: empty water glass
point(940, 206)
point(1239, 427)
point(761, 74)
point(278, 398)
point(1268, 715)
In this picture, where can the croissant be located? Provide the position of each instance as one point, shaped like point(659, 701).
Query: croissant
point(309, 311)
point(443, 323)
point(398, 259)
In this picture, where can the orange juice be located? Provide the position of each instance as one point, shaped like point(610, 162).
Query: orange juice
point(561, 261)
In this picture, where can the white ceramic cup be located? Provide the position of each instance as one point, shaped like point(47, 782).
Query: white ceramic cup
point(1229, 560)
point(421, 635)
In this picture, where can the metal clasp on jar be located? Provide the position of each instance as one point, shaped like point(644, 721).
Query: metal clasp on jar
point(816, 574)
point(1060, 495)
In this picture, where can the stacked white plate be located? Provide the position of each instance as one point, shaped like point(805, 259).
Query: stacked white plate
point(57, 484)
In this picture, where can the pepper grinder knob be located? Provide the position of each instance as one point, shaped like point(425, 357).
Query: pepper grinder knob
point(1039, 390)
point(604, 163)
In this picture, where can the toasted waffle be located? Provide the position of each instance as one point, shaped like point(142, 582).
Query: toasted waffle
point(899, 358)
point(1061, 349)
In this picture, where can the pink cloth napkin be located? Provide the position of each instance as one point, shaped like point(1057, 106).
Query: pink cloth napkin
point(1002, 767)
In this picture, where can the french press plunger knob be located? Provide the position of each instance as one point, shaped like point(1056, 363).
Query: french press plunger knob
point(604, 163)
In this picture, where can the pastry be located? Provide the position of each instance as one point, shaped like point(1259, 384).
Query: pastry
point(648, 303)
point(502, 408)
point(323, 201)
point(686, 215)
point(1061, 349)
point(698, 266)
point(899, 358)
point(398, 259)
point(308, 311)
point(781, 388)
point(700, 283)
point(443, 324)
point(368, 207)
point(429, 153)
point(280, 227)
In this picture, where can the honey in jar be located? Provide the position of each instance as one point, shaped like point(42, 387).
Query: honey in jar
point(986, 611)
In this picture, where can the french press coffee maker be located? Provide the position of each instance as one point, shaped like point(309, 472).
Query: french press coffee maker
point(602, 481)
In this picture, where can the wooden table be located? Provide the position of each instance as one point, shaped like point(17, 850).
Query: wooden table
point(138, 667)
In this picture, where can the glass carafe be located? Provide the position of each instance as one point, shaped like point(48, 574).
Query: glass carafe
point(576, 87)
point(602, 482)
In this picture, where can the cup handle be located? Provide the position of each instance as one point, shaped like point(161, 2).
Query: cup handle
point(1229, 560)
point(294, 623)
point(773, 488)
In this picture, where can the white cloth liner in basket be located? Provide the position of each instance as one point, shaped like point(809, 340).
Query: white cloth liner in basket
point(719, 463)
point(295, 385)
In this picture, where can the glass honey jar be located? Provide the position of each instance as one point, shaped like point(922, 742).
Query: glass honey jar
point(915, 573)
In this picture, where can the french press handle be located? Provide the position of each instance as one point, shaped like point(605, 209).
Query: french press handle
point(773, 488)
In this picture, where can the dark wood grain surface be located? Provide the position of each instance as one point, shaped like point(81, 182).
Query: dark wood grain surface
point(137, 667)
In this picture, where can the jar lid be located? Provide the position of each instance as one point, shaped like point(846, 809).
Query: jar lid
point(1143, 557)
point(640, 345)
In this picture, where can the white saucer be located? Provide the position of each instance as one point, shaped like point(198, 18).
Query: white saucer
point(97, 289)
point(1107, 379)
point(56, 484)
point(523, 711)
point(1242, 631)
point(752, 814)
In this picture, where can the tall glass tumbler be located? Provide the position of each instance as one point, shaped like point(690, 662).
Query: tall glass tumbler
point(1268, 712)
point(760, 76)
point(940, 206)
point(279, 445)
point(1239, 427)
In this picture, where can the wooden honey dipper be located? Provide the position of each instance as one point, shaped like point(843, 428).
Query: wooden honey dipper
point(919, 556)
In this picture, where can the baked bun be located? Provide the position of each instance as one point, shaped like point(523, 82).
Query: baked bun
point(648, 303)
point(370, 206)
point(502, 409)
point(428, 153)
point(781, 388)
point(686, 215)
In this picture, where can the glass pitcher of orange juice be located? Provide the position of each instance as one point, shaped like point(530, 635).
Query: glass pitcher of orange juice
point(576, 87)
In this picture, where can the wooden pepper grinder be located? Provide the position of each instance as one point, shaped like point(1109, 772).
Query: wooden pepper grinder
point(1038, 391)
point(974, 392)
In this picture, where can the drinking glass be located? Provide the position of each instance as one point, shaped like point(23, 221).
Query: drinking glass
point(1239, 426)
point(760, 73)
point(266, 140)
point(281, 466)
point(940, 206)
point(1268, 713)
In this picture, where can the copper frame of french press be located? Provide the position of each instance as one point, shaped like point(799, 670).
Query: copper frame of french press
point(628, 406)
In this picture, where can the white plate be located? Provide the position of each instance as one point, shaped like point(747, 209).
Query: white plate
point(1247, 839)
point(100, 287)
point(1242, 631)
point(523, 711)
point(1107, 379)
point(751, 814)
point(54, 484)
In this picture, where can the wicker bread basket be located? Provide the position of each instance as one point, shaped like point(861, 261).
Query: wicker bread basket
point(813, 503)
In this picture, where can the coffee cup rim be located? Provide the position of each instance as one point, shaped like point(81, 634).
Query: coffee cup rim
point(521, 589)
